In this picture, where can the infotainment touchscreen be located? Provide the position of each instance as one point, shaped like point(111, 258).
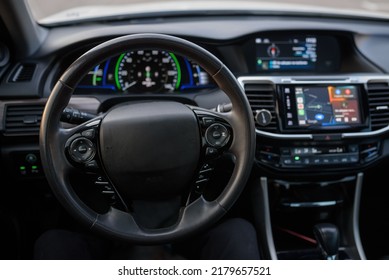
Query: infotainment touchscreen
point(316, 106)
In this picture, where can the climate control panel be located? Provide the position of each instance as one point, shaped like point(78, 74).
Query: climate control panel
point(347, 155)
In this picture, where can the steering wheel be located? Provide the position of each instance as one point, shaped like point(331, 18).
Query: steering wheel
point(147, 150)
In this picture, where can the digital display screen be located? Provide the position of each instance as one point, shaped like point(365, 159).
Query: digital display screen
point(317, 150)
point(298, 53)
point(321, 106)
point(145, 71)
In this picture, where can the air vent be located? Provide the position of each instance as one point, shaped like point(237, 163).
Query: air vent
point(23, 119)
point(378, 94)
point(23, 73)
point(262, 96)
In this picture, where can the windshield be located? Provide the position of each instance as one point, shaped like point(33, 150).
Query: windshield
point(59, 11)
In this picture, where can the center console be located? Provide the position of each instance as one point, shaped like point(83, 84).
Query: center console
point(328, 122)
point(316, 136)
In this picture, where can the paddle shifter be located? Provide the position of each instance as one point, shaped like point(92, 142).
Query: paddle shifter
point(327, 236)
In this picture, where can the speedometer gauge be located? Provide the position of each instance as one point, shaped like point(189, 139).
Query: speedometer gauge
point(147, 71)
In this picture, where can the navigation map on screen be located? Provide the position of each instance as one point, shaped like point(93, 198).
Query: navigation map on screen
point(330, 105)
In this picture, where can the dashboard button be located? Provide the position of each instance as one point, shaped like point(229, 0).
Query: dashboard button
point(297, 162)
point(353, 148)
point(31, 158)
point(344, 159)
point(335, 160)
point(269, 157)
point(317, 160)
point(353, 158)
point(287, 161)
point(327, 137)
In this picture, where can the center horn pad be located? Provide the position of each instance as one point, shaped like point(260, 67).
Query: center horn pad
point(150, 149)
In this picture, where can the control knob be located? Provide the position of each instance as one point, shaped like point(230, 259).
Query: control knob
point(263, 117)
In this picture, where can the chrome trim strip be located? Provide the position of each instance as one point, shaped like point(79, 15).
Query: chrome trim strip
point(284, 136)
point(347, 135)
point(320, 79)
point(350, 135)
point(310, 204)
point(269, 233)
point(356, 208)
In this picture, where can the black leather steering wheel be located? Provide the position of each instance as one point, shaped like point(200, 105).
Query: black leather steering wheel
point(150, 149)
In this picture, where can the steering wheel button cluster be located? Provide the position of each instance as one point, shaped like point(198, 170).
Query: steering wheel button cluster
point(211, 151)
point(90, 133)
point(106, 189)
point(82, 150)
point(202, 176)
point(206, 167)
point(102, 183)
point(200, 185)
point(208, 121)
point(217, 135)
point(92, 165)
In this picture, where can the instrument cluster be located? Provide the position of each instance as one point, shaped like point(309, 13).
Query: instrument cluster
point(146, 71)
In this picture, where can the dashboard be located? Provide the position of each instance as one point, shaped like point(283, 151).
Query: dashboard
point(309, 111)
point(310, 90)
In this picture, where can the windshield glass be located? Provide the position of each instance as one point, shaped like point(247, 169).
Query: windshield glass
point(56, 11)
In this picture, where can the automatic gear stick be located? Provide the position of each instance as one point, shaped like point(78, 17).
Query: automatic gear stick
point(327, 236)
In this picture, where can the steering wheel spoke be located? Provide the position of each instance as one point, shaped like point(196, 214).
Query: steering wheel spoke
point(81, 151)
point(216, 137)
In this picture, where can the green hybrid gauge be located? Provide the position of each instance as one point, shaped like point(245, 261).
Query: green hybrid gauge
point(146, 71)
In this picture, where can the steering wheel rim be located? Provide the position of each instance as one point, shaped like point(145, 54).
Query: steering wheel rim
point(120, 224)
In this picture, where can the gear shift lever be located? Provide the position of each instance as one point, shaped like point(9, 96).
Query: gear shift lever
point(327, 236)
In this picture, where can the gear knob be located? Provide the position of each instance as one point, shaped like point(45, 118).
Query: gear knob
point(327, 236)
